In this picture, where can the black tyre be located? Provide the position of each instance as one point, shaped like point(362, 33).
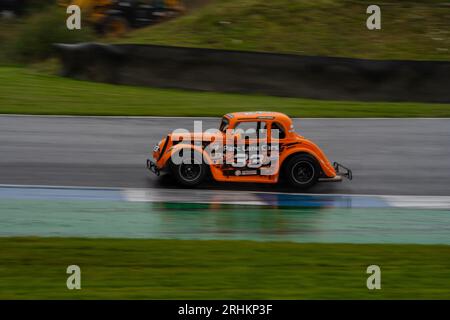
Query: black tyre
point(189, 173)
point(302, 171)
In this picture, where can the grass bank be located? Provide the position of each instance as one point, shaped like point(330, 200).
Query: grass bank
point(173, 269)
point(24, 91)
point(416, 30)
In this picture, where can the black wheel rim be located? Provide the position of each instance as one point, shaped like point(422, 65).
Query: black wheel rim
point(303, 172)
point(190, 172)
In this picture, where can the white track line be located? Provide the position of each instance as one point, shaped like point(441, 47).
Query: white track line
point(248, 197)
point(192, 196)
point(425, 202)
point(412, 196)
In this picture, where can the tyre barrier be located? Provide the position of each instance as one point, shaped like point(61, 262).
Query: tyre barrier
point(258, 73)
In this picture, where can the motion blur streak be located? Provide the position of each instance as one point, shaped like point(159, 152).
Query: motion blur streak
point(274, 199)
point(175, 214)
point(390, 158)
point(387, 156)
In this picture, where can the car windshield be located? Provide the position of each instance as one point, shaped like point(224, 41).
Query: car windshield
point(224, 125)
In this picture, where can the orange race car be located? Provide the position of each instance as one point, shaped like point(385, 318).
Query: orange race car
point(259, 147)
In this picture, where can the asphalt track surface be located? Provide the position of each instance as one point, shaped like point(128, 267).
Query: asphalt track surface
point(387, 156)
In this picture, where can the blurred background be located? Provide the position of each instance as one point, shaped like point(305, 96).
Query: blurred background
point(74, 190)
point(417, 30)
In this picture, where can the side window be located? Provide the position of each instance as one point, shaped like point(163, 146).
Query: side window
point(252, 128)
point(280, 128)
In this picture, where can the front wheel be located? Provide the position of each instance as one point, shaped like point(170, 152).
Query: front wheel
point(302, 171)
point(189, 174)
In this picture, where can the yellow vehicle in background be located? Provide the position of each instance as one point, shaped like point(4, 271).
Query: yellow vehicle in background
point(116, 17)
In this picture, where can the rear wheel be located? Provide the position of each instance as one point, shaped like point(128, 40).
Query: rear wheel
point(302, 171)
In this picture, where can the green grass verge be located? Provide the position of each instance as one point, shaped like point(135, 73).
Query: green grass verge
point(174, 269)
point(28, 92)
point(28, 38)
point(417, 30)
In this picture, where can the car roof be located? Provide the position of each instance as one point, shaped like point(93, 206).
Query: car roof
point(258, 115)
point(278, 117)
